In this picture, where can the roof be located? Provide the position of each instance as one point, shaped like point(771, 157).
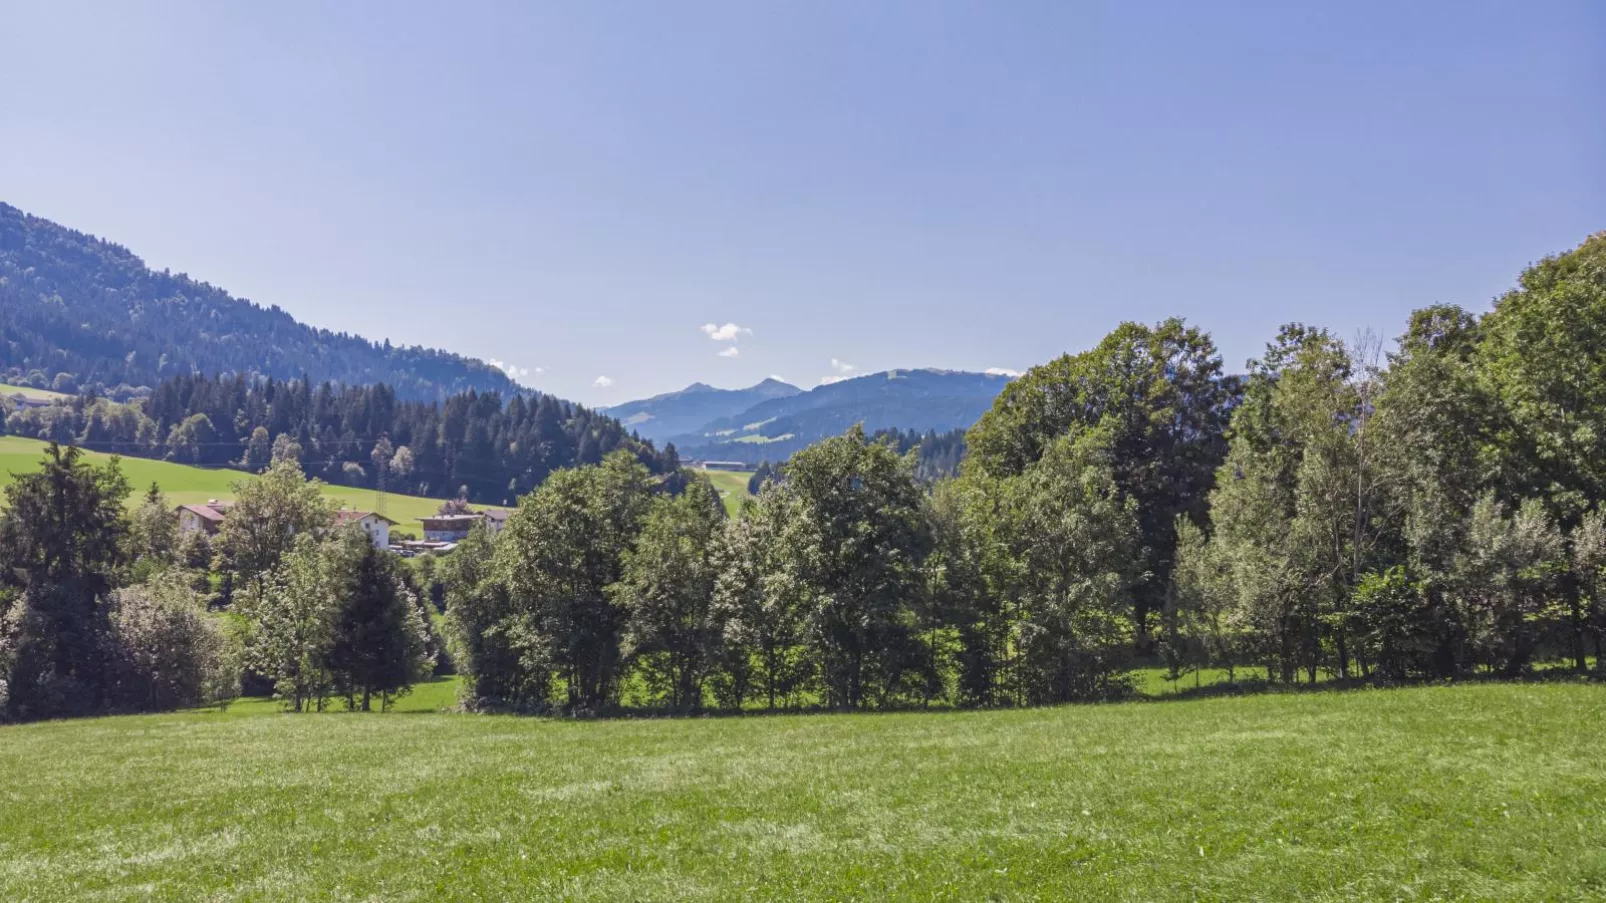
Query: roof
point(347, 516)
point(496, 514)
point(452, 520)
point(212, 511)
point(29, 401)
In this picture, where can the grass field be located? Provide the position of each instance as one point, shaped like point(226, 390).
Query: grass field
point(185, 485)
point(1489, 791)
point(732, 486)
point(30, 392)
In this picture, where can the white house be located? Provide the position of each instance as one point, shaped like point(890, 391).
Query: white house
point(377, 526)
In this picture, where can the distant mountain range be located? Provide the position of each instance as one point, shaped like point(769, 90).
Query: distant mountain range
point(73, 304)
point(773, 427)
point(679, 413)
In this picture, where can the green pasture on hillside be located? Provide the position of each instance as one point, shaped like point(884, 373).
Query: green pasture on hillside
point(1484, 791)
point(9, 389)
point(732, 486)
point(184, 484)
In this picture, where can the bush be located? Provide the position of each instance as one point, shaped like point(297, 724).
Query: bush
point(166, 651)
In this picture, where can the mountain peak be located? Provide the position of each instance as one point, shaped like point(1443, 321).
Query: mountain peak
point(673, 413)
point(919, 399)
point(770, 386)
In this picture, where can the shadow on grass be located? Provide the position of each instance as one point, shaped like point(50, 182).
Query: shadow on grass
point(1260, 686)
point(1257, 686)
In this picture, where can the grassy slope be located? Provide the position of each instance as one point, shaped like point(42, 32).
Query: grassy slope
point(189, 485)
point(732, 486)
point(31, 392)
point(1485, 791)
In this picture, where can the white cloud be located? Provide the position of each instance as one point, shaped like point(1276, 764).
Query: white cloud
point(730, 332)
point(602, 382)
point(730, 352)
point(512, 371)
point(844, 370)
point(1000, 371)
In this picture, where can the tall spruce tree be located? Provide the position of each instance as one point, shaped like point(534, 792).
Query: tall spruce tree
point(62, 540)
point(379, 643)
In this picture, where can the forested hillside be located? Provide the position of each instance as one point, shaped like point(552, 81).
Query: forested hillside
point(492, 446)
point(78, 311)
point(909, 400)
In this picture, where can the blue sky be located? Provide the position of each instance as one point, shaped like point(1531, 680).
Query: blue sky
point(577, 189)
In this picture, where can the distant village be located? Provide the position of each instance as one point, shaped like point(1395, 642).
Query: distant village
point(442, 532)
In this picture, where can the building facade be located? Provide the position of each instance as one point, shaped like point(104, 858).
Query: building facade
point(201, 518)
point(376, 526)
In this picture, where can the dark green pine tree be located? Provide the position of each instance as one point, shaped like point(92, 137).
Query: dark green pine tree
point(380, 646)
point(61, 543)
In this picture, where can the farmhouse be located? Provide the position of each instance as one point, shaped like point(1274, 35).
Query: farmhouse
point(454, 527)
point(377, 526)
point(449, 527)
point(495, 519)
point(21, 401)
point(202, 518)
point(209, 517)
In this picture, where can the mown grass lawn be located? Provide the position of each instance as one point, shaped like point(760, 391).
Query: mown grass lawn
point(186, 485)
point(1490, 791)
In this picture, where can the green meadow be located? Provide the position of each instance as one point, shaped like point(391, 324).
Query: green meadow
point(732, 486)
point(1488, 791)
point(9, 389)
point(191, 485)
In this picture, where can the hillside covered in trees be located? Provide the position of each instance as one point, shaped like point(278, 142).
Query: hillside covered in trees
point(76, 311)
point(492, 447)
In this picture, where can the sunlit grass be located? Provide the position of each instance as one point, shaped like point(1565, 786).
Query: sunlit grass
point(186, 485)
point(9, 389)
point(732, 486)
point(1489, 791)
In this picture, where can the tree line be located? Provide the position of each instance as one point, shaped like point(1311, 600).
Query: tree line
point(937, 455)
point(104, 610)
point(1430, 510)
point(485, 446)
